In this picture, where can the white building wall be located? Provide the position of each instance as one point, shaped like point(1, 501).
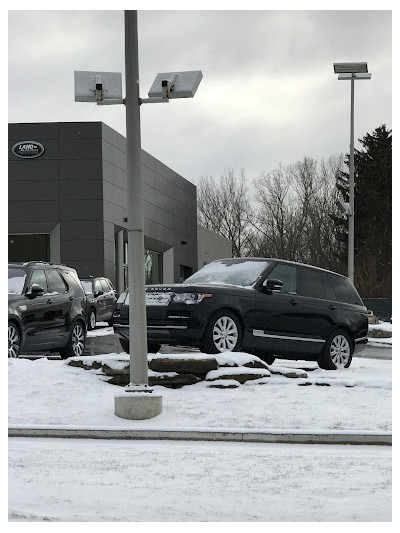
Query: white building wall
point(211, 246)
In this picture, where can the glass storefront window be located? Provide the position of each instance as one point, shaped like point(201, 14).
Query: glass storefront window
point(152, 266)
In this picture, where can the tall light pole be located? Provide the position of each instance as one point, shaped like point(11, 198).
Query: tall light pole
point(139, 401)
point(136, 275)
point(351, 71)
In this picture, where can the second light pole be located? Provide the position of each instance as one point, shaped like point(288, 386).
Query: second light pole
point(351, 71)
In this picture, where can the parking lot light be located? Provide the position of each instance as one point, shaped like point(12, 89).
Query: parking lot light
point(351, 71)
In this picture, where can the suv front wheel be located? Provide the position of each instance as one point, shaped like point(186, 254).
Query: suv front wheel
point(92, 319)
point(14, 340)
point(337, 352)
point(76, 342)
point(223, 333)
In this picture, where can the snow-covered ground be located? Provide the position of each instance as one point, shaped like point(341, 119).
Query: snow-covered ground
point(383, 326)
point(159, 481)
point(43, 391)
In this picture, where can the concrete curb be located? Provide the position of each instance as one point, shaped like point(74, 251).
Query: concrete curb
point(299, 437)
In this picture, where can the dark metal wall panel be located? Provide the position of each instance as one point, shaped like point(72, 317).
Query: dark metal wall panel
point(39, 169)
point(43, 190)
point(80, 182)
point(28, 211)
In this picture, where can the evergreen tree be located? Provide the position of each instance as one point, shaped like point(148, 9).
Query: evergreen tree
point(373, 214)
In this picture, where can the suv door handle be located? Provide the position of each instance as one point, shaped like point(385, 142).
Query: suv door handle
point(71, 298)
point(294, 302)
point(49, 301)
point(331, 307)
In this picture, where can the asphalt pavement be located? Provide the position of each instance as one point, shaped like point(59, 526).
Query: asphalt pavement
point(98, 345)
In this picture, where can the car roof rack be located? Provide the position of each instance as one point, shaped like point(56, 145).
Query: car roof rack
point(31, 263)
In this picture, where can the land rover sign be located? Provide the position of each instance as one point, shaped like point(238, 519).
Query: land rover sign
point(28, 149)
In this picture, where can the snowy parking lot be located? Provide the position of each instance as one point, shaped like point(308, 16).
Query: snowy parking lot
point(162, 481)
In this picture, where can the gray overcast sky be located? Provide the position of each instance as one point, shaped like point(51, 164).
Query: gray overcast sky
point(268, 95)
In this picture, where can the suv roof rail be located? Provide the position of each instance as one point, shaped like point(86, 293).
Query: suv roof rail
point(30, 263)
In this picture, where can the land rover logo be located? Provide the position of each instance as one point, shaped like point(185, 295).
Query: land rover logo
point(28, 149)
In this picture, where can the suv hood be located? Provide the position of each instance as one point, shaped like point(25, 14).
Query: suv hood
point(201, 288)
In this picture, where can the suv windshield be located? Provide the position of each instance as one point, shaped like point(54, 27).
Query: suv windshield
point(229, 272)
point(16, 280)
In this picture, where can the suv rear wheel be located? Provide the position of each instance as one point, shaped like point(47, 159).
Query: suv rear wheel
point(337, 352)
point(76, 342)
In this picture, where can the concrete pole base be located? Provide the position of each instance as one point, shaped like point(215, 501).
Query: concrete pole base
point(138, 406)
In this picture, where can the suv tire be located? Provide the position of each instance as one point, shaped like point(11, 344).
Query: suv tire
point(76, 342)
point(92, 319)
point(223, 333)
point(337, 351)
point(14, 340)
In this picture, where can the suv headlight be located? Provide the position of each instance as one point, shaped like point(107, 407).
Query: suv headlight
point(189, 297)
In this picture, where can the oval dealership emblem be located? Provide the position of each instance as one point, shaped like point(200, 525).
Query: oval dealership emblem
point(28, 149)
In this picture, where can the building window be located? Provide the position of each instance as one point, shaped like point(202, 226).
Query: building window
point(28, 247)
point(152, 266)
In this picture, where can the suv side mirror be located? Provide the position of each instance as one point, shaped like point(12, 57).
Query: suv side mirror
point(98, 293)
point(36, 290)
point(272, 285)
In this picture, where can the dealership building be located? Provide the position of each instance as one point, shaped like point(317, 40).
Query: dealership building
point(67, 203)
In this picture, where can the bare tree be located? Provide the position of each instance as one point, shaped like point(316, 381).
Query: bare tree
point(293, 221)
point(224, 207)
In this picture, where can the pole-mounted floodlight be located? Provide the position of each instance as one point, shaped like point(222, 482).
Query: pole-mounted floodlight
point(105, 88)
point(351, 71)
point(350, 68)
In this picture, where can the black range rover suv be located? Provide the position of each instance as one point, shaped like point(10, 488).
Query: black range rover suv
point(46, 309)
point(268, 307)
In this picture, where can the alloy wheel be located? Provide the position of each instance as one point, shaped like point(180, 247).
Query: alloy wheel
point(225, 334)
point(78, 340)
point(14, 341)
point(340, 351)
point(92, 320)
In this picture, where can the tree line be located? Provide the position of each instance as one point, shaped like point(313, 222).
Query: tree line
point(292, 212)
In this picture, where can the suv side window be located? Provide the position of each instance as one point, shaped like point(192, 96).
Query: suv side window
point(97, 286)
point(344, 290)
point(73, 280)
point(287, 274)
point(39, 277)
point(311, 283)
point(329, 292)
point(56, 282)
point(105, 286)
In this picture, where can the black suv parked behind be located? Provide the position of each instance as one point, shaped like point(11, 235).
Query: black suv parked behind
point(101, 298)
point(268, 307)
point(46, 309)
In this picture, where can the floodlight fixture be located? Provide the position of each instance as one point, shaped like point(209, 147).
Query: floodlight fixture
point(100, 87)
point(350, 68)
point(357, 76)
point(175, 84)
